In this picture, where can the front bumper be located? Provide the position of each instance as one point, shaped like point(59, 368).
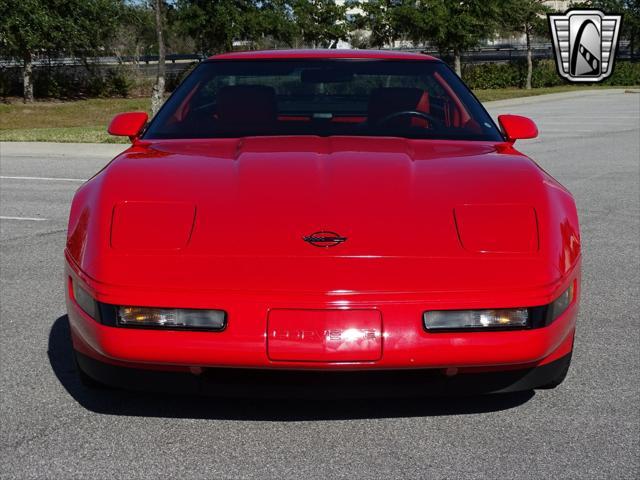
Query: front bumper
point(268, 383)
point(406, 345)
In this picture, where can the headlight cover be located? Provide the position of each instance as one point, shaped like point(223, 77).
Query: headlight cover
point(172, 318)
point(499, 319)
point(476, 319)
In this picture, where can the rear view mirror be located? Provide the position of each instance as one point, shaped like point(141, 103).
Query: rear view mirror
point(516, 127)
point(128, 124)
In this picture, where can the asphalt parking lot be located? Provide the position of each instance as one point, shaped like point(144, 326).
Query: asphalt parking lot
point(589, 427)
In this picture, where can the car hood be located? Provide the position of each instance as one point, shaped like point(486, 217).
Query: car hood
point(243, 205)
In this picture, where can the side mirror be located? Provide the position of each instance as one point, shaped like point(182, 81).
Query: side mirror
point(516, 127)
point(128, 124)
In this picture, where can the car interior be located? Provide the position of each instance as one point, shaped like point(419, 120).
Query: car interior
point(312, 103)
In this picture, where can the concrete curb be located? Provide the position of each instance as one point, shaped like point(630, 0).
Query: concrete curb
point(552, 97)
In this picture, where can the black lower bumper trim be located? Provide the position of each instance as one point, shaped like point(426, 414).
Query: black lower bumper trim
point(271, 383)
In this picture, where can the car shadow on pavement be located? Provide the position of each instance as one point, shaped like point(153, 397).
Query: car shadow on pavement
point(121, 402)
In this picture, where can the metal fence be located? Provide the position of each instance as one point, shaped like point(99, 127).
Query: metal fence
point(491, 54)
point(67, 75)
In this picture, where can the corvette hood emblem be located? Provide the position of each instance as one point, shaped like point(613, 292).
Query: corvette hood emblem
point(324, 239)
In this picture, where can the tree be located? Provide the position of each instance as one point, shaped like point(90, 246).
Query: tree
point(451, 25)
point(215, 24)
point(631, 23)
point(157, 96)
point(630, 9)
point(136, 34)
point(270, 24)
point(320, 23)
point(526, 17)
point(29, 28)
point(381, 19)
point(23, 27)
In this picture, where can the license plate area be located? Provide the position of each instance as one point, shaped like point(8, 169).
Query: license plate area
point(324, 335)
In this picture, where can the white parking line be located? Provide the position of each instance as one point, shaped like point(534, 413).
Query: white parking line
point(53, 179)
point(28, 219)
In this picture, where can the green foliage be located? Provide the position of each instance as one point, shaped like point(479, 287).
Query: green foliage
point(493, 75)
point(381, 19)
point(270, 24)
point(545, 74)
point(136, 34)
point(625, 73)
point(23, 27)
point(215, 24)
point(5, 83)
point(118, 82)
point(49, 83)
point(512, 75)
point(450, 25)
point(50, 28)
point(41, 29)
point(526, 17)
point(69, 83)
point(70, 27)
point(630, 9)
point(320, 23)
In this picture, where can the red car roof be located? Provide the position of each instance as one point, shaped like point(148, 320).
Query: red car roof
point(333, 53)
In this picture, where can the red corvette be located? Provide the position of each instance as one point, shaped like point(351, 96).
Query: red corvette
point(331, 219)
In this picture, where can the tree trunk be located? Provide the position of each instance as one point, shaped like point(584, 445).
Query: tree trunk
point(457, 62)
point(529, 61)
point(157, 96)
point(27, 78)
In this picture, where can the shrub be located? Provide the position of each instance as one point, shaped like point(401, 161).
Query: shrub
point(625, 73)
point(493, 75)
point(118, 83)
point(54, 83)
point(123, 81)
point(96, 87)
point(545, 74)
point(6, 83)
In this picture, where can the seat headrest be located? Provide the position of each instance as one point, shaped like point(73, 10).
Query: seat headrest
point(385, 101)
point(246, 106)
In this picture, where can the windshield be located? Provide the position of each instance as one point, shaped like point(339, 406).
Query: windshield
point(412, 99)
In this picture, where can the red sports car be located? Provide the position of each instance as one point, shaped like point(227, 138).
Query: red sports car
point(348, 220)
